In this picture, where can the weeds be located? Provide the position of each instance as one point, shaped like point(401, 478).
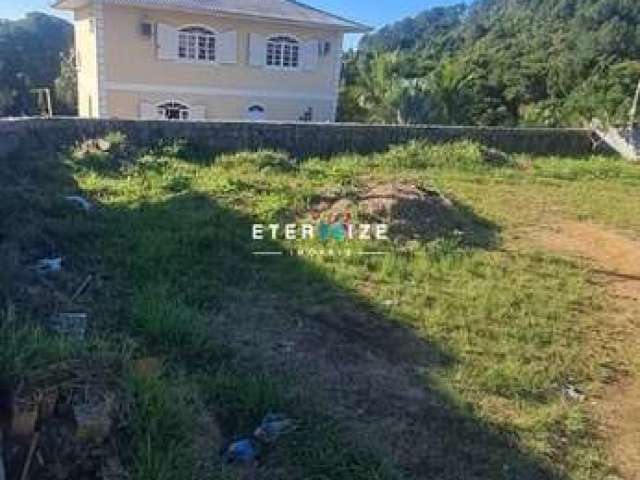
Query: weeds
point(175, 249)
point(26, 350)
point(462, 155)
point(161, 429)
point(263, 161)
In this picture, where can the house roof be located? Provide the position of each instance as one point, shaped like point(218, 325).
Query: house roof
point(279, 10)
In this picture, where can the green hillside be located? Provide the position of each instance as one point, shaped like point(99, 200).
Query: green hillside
point(31, 54)
point(500, 62)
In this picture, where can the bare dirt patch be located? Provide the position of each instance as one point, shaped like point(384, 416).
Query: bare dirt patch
point(358, 366)
point(615, 256)
point(411, 211)
point(616, 266)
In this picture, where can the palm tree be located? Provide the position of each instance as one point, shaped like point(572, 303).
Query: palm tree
point(378, 87)
point(386, 97)
point(448, 86)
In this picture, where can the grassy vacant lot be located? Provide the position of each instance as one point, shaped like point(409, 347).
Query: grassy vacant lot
point(448, 357)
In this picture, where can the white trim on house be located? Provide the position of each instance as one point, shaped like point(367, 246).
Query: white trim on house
point(98, 12)
point(227, 47)
point(151, 111)
point(211, 91)
point(310, 55)
point(298, 42)
point(168, 44)
point(257, 51)
point(197, 25)
point(337, 78)
point(247, 111)
point(188, 108)
point(288, 11)
point(207, 33)
point(175, 101)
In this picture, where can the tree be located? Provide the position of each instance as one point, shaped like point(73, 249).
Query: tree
point(66, 86)
point(504, 62)
point(378, 88)
point(30, 51)
point(608, 95)
point(449, 88)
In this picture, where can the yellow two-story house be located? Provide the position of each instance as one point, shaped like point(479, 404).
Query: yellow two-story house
point(207, 59)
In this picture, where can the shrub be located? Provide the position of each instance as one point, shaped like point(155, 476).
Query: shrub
point(419, 154)
point(262, 160)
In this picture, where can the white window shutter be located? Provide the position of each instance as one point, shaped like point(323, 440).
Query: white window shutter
point(148, 111)
point(167, 41)
point(310, 55)
point(257, 50)
point(198, 113)
point(227, 47)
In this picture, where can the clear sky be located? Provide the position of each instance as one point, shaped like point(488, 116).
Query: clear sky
point(372, 12)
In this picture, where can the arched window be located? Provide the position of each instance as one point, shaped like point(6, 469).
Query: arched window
point(197, 44)
point(256, 113)
point(173, 111)
point(283, 52)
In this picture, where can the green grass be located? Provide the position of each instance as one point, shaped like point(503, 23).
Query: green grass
point(26, 349)
point(162, 429)
point(507, 328)
point(508, 321)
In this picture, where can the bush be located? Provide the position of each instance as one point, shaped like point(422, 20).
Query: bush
point(262, 160)
point(465, 154)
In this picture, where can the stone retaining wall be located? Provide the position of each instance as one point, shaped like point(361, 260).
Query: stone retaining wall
point(300, 139)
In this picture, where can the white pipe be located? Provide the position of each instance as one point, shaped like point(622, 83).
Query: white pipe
point(634, 107)
point(3, 473)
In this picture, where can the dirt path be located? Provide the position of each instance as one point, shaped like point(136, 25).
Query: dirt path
point(372, 376)
point(616, 266)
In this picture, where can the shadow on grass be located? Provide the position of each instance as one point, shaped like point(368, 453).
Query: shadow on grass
point(184, 278)
point(191, 257)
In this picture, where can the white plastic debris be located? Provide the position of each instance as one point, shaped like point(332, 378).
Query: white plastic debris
point(70, 324)
point(82, 202)
point(3, 474)
point(49, 265)
point(272, 427)
point(573, 393)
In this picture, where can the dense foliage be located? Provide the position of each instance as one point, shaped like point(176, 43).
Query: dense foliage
point(33, 51)
point(500, 62)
